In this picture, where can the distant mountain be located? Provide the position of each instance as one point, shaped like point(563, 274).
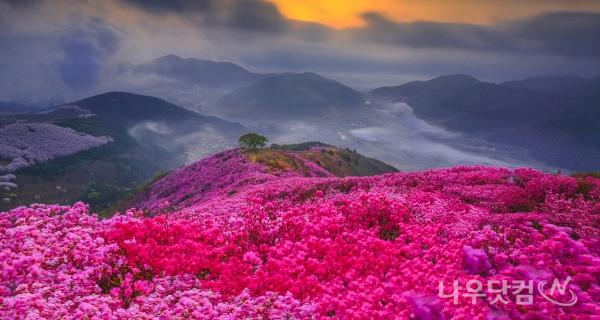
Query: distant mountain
point(288, 96)
point(434, 88)
point(128, 109)
point(12, 107)
point(199, 72)
point(557, 129)
point(457, 100)
point(150, 136)
point(566, 85)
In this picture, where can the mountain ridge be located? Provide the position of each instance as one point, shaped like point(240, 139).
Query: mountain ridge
point(150, 136)
point(541, 122)
point(279, 96)
point(200, 72)
point(565, 85)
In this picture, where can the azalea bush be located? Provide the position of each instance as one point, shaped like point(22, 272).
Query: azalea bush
point(31, 143)
point(223, 238)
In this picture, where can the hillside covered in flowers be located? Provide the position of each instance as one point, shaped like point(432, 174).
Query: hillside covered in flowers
point(230, 238)
point(27, 144)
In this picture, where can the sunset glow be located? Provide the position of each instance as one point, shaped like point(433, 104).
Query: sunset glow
point(344, 14)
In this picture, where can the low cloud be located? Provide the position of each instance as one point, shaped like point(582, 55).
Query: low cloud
point(68, 50)
point(191, 144)
point(570, 34)
point(258, 16)
point(409, 142)
point(239, 15)
point(174, 6)
point(401, 139)
point(87, 50)
point(368, 134)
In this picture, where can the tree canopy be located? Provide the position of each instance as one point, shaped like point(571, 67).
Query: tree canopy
point(253, 141)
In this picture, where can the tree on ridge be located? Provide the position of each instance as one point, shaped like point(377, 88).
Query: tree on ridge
point(253, 141)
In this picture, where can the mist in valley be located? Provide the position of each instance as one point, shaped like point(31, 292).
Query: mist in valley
point(389, 132)
point(510, 94)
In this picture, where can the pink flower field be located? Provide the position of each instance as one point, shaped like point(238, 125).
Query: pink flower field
point(223, 238)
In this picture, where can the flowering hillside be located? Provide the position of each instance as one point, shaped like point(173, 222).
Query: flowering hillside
point(225, 172)
point(229, 239)
point(28, 144)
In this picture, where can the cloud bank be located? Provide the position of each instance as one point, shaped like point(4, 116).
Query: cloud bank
point(87, 50)
point(78, 48)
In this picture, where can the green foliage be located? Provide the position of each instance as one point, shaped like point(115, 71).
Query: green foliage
point(99, 195)
point(119, 165)
point(146, 186)
point(308, 145)
point(160, 175)
point(253, 141)
point(131, 198)
point(284, 147)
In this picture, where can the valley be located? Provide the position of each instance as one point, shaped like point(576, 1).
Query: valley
point(443, 122)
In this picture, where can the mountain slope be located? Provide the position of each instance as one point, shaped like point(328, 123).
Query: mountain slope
point(315, 161)
point(128, 109)
point(225, 238)
point(435, 88)
point(452, 101)
point(288, 95)
point(541, 122)
point(198, 72)
point(12, 107)
point(566, 85)
point(150, 136)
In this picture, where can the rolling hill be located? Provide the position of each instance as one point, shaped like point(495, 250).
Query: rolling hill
point(128, 109)
point(225, 237)
point(150, 136)
point(310, 159)
point(12, 108)
point(288, 96)
point(439, 87)
point(198, 72)
point(566, 85)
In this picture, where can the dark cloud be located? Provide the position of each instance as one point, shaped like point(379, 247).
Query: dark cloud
point(174, 6)
point(570, 34)
point(239, 15)
point(313, 32)
point(418, 34)
point(560, 33)
point(21, 3)
point(259, 16)
point(359, 68)
point(86, 50)
point(44, 42)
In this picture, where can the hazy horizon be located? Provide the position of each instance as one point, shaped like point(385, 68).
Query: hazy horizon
point(77, 48)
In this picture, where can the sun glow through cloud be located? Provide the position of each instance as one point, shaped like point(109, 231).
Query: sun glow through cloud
point(344, 14)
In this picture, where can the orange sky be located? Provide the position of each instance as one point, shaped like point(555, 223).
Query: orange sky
point(346, 13)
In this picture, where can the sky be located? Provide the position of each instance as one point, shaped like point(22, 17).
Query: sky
point(76, 48)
